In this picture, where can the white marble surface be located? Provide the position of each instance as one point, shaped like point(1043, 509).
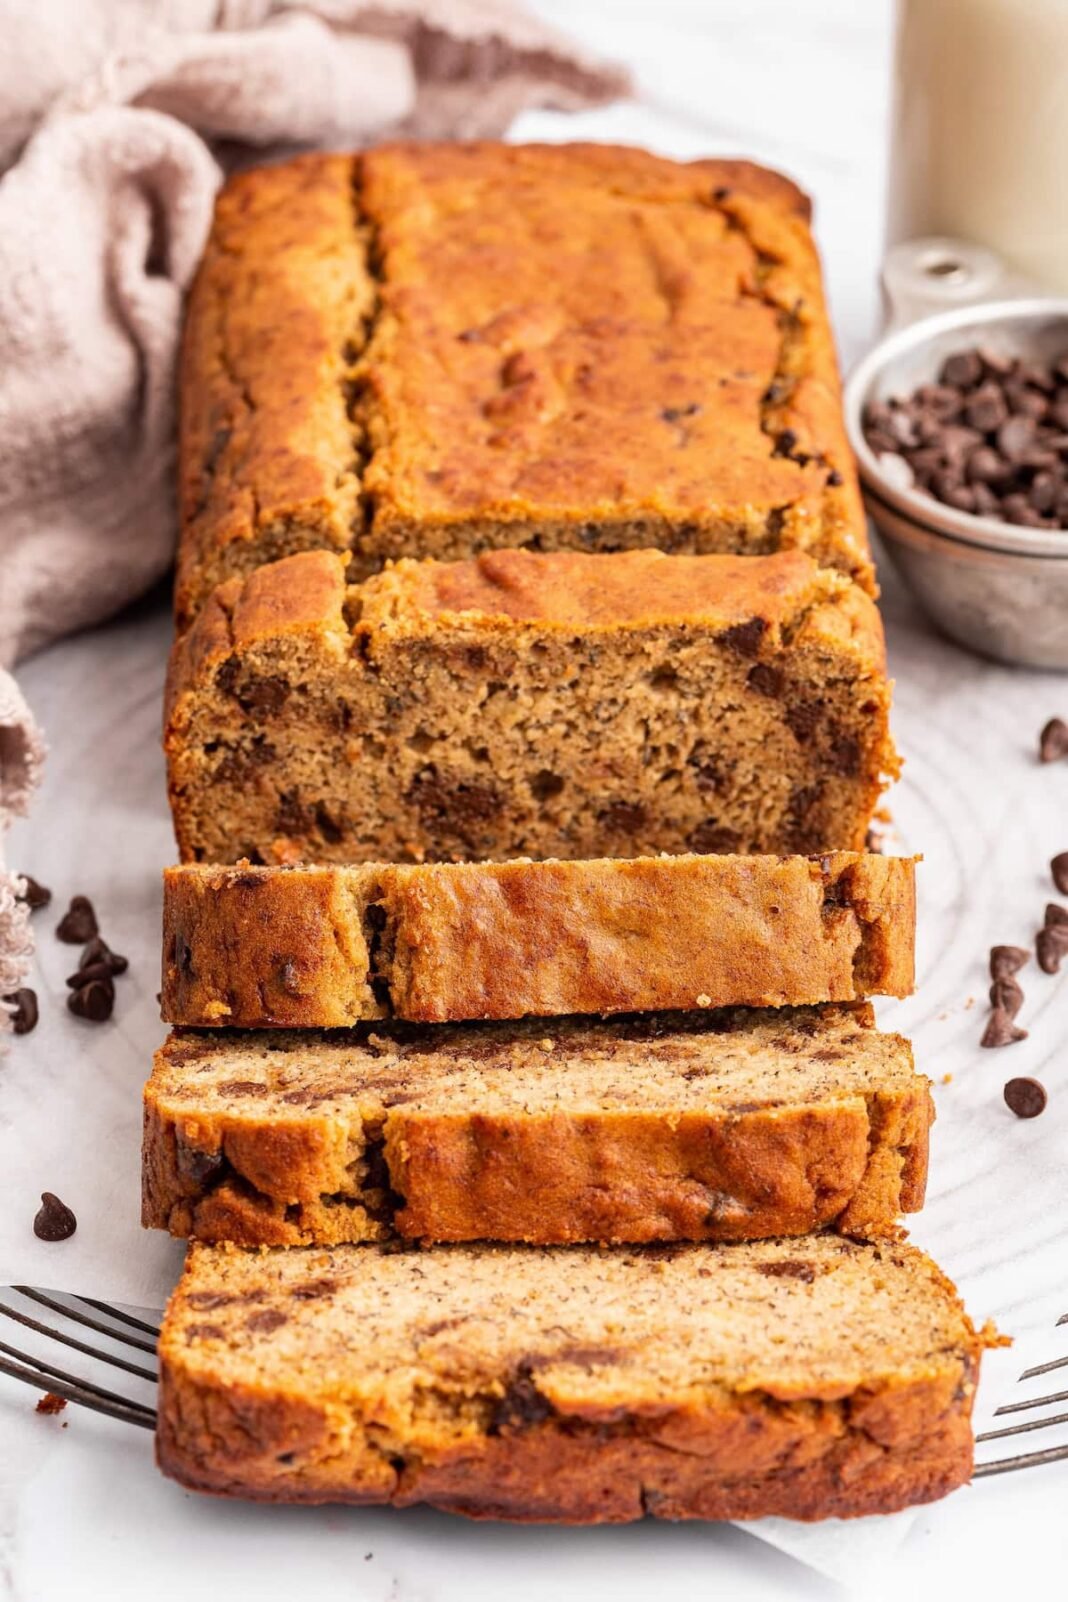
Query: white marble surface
point(803, 86)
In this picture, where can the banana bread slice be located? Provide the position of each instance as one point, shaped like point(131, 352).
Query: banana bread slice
point(529, 705)
point(687, 1126)
point(809, 1378)
point(326, 947)
point(431, 350)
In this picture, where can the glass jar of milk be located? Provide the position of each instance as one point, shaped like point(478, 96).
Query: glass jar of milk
point(980, 129)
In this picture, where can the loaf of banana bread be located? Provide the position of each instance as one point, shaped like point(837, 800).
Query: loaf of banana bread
point(432, 350)
point(325, 947)
point(660, 1126)
point(528, 705)
point(808, 1378)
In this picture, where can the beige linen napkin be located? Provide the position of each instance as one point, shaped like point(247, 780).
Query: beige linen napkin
point(115, 119)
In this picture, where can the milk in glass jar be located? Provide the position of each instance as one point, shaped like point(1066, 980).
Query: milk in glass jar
point(980, 129)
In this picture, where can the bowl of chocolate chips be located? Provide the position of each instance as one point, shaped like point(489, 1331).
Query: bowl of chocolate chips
point(960, 426)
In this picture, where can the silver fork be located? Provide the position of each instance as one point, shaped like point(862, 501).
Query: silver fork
point(114, 1327)
point(1043, 1421)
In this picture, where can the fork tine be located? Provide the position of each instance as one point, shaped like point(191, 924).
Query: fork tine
point(1038, 1401)
point(78, 1346)
point(86, 1395)
point(1024, 1428)
point(70, 1379)
point(83, 1318)
point(117, 1312)
point(1052, 1454)
point(1045, 1368)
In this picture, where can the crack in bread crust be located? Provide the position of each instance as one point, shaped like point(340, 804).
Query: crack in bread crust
point(320, 321)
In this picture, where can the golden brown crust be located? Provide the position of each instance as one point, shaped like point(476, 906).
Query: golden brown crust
point(896, 1449)
point(296, 941)
point(298, 948)
point(525, 1133)
point(267, 460)
point(381, 361)
point(531, 1426)
point(306, 594)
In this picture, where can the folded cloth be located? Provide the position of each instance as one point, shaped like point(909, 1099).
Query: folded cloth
point(21, 754)
point(116, 122)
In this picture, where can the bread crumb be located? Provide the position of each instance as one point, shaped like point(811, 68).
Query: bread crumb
point(51, 1403)
point(947, 1079)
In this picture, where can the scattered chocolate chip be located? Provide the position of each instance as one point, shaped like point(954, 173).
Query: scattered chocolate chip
point(84, 976)
point(1000, 1030)
point(1050, 947)
point(1007, 960)
point(1053, 741)
point(78, 923)
point(1056, 917)
point(23, 1004)
point(34, 895)
point(98, 950)
point(94, 1001)
point(1059, 870)
point(1025, 1097)
point(51, 1403)
point(1008, 995)
point(54, 1219)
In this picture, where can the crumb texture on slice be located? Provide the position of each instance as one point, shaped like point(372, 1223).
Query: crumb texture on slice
point(327, 947)
point(806, 1378)
point(689, 1126)
point(529, 704)
point(432, 350)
